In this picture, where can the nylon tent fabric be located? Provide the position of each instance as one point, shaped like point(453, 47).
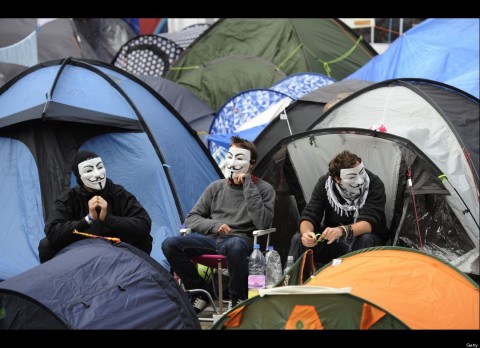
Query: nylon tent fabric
point(302, 113)
point(439, 49)
point(441, 121)
point(241, 108)
point(234, 116)
point(94, 285)
point(153, 54)
point(419, 289)
point(195, 112)
point(291, 45)
point(374, 288)
point(185, 37)
point(9, 70)
point(105, 35)
point(147, 55)
point(55, 40)
point(216, 81)
point(96, 107)
point(422, 216)
point(297, 85)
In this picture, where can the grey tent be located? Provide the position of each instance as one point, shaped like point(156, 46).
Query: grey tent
point(194, 111)
point(53, 40)
point(422, 216)
point(303, 113)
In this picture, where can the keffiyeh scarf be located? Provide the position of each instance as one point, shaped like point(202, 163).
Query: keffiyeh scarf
point(352, 202)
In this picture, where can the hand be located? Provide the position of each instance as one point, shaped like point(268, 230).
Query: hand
point(224, 229)
point(97, 208)
point(331, 234)
point(308, 239)
point(240, 179)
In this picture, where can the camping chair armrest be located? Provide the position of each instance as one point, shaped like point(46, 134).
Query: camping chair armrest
point(185, 231)
point(259, 233)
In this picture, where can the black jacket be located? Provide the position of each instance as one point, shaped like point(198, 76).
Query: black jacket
point(373, 210)
point(126, 218)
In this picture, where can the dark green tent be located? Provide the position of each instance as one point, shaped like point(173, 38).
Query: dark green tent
point(292, 45)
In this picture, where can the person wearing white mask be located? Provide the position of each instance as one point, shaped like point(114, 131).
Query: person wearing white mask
point(346, 212)
point(223, 219)
point(95, 206)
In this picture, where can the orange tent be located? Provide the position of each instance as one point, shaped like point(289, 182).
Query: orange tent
point(420, 290)
point(376, 288)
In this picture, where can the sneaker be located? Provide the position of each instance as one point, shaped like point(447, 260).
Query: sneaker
point(234, 301)
point(199, 302)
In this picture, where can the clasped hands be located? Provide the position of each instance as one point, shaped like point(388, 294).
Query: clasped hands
point(97, 208)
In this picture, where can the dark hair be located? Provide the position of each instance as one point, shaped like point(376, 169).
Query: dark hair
point(80, 157)
point(343, 160)
point(245, 144)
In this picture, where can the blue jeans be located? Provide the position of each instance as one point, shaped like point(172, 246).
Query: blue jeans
point(178, 251)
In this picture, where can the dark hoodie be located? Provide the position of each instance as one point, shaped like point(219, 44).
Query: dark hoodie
point(126, 218)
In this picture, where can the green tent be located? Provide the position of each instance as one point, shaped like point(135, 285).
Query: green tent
point(290, 45)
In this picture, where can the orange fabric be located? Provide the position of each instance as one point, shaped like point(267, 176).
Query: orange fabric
point(419, 290)
point(303, 318)
point(235, 318)
point(370, 315)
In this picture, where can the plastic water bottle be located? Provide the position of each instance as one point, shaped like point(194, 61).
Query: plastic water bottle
point(273, 272)
point(256, 271)
point(288, 265)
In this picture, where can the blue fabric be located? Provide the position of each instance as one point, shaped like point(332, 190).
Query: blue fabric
point(443, 50)
point(241, 108)
point(93, 285)
point(224, 140)
point(134, 24)
point(297, 85)
point(20, 209)
point(169, 156)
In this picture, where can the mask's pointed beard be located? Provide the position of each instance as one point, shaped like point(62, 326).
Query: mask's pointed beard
point(231, 175)
point(101, 188)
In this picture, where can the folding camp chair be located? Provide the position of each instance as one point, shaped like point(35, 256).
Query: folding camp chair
point(218, 262)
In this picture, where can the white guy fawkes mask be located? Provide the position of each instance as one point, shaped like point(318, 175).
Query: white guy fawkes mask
point(353, 179)
point(93, 173)
point(238, 161)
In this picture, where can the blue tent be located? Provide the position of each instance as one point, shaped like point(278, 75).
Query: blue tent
point(92, 284)
point(250, 103)
point(298, 85)
point(51, 110)
point(443, 50)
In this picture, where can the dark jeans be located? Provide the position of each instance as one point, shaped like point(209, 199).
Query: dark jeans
point(45, 250)
point(179, 249)
point(324, 253)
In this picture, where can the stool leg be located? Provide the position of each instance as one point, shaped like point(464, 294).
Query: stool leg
point(220, 286)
